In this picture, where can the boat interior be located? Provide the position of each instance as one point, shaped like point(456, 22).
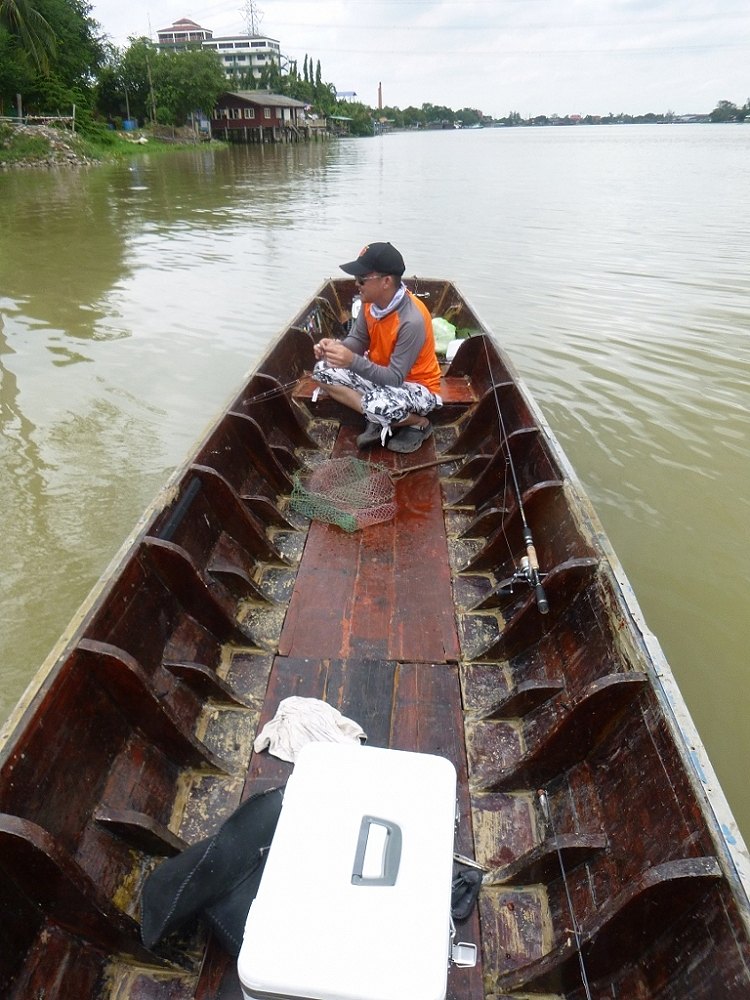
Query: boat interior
point(604, 872)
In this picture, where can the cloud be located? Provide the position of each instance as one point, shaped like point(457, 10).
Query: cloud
point(534, 56)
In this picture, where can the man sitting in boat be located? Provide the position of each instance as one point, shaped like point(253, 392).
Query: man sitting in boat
point(386, 367)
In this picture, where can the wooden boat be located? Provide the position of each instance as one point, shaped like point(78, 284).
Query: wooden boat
point(626, 877)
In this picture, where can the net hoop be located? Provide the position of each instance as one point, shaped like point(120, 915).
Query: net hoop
point(345, 491)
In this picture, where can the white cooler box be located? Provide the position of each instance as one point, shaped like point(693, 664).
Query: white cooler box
point(354, 903)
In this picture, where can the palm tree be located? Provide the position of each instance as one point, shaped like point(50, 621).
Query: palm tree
point(32, 30)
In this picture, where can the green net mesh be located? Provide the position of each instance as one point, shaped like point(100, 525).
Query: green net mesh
point(345, 491)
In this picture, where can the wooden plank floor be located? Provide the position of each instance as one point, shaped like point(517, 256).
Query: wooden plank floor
point(371, 630)
point(382, 593)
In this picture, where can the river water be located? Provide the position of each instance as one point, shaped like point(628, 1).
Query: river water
point(611, 262)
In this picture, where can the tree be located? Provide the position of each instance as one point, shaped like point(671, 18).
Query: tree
point(435, 113)
point(413, 117)
point(112, 98)
point(35, 34)
point(469, 116)
point(319, 94)
point(360, 116)
point(17, 71)
point(271, 79)
point(187, 82)
point(72, 65)
point(135, 68)
point(724, 111)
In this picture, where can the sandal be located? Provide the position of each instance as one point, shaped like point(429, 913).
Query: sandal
point(372, 434)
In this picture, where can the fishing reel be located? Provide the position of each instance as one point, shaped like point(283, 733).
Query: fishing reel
point(522, 574)
point(527, 572)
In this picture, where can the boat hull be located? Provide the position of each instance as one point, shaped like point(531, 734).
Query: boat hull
point(611, 858)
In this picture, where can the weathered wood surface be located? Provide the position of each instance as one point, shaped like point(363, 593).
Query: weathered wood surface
point(380, 593)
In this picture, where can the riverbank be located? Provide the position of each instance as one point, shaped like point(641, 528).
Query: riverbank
point(34, 146)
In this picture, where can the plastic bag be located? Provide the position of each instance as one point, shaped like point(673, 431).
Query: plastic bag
point(444, 333)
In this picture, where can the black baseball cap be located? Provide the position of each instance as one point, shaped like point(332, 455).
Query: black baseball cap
point(381, 257)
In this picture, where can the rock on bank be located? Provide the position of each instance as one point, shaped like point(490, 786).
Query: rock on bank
point(40, 146)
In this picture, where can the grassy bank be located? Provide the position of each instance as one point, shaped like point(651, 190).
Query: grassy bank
point(46, 146)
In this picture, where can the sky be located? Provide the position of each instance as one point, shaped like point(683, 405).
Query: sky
point(530, 56)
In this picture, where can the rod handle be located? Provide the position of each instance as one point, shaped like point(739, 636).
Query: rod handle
point(541, 599)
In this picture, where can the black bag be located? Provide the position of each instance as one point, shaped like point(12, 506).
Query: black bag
point(217, 878)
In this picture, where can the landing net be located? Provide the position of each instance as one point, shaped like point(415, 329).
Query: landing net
point(345, 491)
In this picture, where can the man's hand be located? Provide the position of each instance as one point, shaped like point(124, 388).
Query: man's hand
point(333, 352)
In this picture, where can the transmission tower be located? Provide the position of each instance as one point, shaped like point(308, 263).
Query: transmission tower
point(253, 17)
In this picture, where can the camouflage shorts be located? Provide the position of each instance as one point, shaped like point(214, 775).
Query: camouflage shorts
point(382, 404)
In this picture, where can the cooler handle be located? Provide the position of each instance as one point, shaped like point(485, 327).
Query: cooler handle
point(391, 852)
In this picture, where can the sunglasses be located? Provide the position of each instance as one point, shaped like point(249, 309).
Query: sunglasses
point(368, 277)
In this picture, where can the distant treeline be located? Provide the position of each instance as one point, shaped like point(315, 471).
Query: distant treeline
point(430, 115)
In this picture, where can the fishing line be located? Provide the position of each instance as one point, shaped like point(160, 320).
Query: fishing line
point(544, 803)
point(529, 563)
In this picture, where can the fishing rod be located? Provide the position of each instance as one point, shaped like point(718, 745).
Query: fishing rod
point(278, 390)
point(529, 568)
point(547, 813)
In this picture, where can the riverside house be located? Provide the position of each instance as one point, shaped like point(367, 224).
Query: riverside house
point(257, 116)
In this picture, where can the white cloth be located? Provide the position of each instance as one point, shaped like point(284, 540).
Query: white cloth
point(305, 720)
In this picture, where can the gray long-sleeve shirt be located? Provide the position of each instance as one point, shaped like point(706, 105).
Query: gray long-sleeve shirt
point(409, 341)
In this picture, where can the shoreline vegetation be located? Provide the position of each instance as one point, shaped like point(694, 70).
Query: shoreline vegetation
point(44, 145)
point(27, 146)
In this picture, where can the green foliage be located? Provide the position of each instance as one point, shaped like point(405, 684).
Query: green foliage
point(167, 86)
point(72, 65)
point(111, 99)
point(321, 96)
point(17, 71)
point(95, 134)
point(186, 82)
point(36, 36)
point(134, 69)
point(725, 111)
point(435, 113)
point(469, 116)
point(271, 80)
point(360, 115)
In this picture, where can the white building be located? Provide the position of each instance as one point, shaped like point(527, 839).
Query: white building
point(241, 54)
